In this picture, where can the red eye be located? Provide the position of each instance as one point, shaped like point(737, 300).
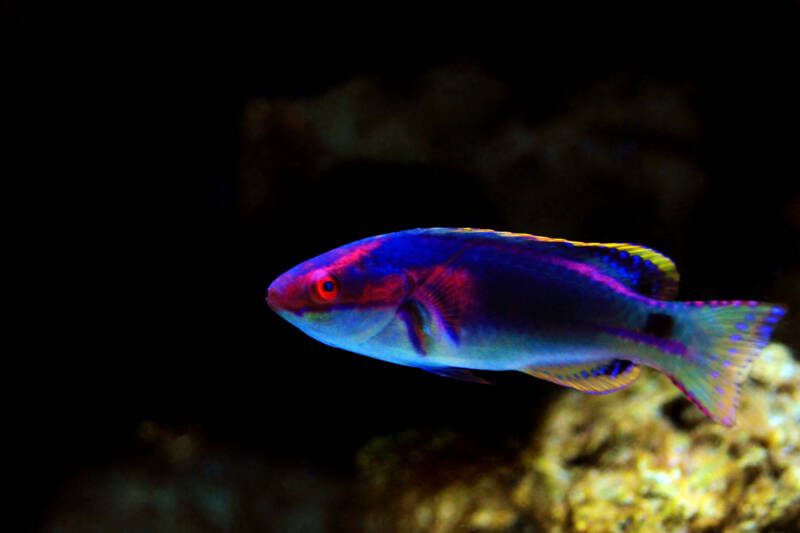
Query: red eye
point(324, 288)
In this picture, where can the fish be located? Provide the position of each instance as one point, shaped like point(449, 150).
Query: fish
point(584, 315)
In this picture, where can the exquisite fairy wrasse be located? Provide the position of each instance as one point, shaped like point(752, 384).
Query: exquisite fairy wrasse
point(583, 315)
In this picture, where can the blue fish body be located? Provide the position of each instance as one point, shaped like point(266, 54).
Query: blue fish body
point(583, 315)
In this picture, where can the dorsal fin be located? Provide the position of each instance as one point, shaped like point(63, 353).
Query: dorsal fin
point(593, 378)
point(641, 269)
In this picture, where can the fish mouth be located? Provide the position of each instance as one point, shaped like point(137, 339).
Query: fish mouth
point(278, 295)
point(272, 299)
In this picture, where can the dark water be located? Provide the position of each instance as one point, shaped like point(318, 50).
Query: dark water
point(195, 218)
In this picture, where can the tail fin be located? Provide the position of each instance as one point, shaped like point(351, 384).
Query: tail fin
point(722, 340)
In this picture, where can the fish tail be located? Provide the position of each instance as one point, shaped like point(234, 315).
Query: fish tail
point(721, 339)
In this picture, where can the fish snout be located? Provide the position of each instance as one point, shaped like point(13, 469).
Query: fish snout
point(283, 294)
point(275, 296)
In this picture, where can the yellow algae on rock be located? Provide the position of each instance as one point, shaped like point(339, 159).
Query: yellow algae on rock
point(685, 472)
point(493, 519)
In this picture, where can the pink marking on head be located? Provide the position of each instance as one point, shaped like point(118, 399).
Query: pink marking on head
point(387, 290)
point(290, 291)
point(354, 255)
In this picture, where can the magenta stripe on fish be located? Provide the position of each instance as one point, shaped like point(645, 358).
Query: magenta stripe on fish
point(595, 275)
point(666, 345)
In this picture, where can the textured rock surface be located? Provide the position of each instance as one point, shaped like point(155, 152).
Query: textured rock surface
point(643, 459)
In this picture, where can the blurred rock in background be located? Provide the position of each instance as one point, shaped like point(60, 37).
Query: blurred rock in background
point(619, 159)
point(621, 144)
point(181, 483)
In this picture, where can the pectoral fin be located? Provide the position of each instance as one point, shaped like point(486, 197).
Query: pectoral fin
point(445, 292)
point(593, 378)
point(435, 308)
point(417, 321)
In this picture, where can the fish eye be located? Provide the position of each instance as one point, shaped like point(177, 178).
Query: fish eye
point(324, 288)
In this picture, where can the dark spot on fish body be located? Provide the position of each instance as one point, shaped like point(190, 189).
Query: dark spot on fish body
point(659, 325)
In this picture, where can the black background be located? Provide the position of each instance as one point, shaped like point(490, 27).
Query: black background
point(150, 296)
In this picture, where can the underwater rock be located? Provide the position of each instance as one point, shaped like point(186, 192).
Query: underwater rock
point(587, 150)
point(435, 483)
point(642, 459)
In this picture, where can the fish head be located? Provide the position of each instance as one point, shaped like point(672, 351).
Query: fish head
point(341, 298)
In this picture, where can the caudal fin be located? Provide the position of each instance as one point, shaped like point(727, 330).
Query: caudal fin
point(722, 340)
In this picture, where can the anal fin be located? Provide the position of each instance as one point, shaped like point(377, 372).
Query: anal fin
point(592, 378)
